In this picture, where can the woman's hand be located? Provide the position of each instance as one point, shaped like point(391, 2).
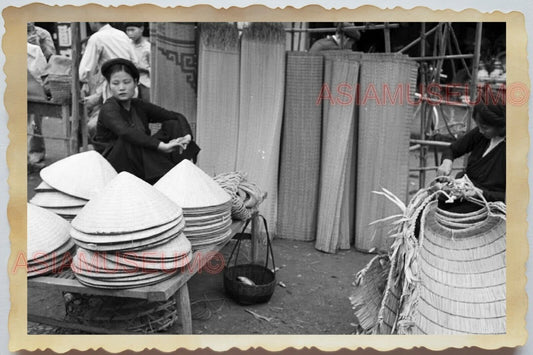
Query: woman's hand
point(168, 147)
point(445, 169)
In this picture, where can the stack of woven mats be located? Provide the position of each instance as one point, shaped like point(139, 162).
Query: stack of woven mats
point(129, 235)
point(300, 148)
point(49, 245)
point(70, 183)
point(206, 206)
point(450, 279)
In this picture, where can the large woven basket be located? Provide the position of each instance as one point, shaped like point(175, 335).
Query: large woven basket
point(263, 278)
point(60, 87)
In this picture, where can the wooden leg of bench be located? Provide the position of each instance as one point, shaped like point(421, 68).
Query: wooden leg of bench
point(184, 307)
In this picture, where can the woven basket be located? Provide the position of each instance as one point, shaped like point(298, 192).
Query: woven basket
point(263, 278)
point(60, 87)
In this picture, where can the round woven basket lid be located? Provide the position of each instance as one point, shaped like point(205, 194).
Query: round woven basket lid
point(190, 187)
point(82, 175)
point(462, 275)
point(56, 199)
point(126, 204)
point(46, 231)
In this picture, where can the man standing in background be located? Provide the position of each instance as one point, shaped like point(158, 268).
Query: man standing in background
point(42, 38)
point(141, 45)
point(104, 44)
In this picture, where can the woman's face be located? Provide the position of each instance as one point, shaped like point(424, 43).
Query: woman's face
point(122, 86)
point(490, 131)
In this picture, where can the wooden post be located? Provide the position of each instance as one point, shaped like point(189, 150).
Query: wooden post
point(75, 111)
point(423, 149)
point(183, 304)
point(386, 32)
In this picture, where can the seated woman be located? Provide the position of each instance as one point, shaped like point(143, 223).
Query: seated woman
point(486, 163)
point(123, 135)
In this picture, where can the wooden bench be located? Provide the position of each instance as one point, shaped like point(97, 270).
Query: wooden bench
point(174, 287)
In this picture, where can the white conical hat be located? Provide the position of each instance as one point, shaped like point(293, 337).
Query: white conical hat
point(56, 199)
point(43, 186)
point(82, 175)
point(46, 231)
point(126, 204)
point(188, 186)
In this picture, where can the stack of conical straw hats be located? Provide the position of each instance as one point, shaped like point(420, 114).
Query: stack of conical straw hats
point(129, 235)
point(69, 183)
point(206, 206)
point(49, 245)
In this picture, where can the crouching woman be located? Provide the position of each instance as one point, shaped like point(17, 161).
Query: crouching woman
point(123, 134)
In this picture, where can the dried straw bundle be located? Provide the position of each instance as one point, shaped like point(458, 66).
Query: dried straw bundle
point(262, 82)
point(443, 280)
point(218, 97)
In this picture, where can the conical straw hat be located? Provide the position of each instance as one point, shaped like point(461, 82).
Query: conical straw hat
point(82, 175)
point(175, 248)
point(46, 231)
point(56, 199)
point(190, 187)
point(54, 255)
point(126, 204)
point(165, 265)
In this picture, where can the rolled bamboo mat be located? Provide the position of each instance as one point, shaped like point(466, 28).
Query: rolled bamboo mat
point(262, 83)
point(337, 148)
point(300, 148)
point(218, 97)
point(174, 63)
point(383, 142)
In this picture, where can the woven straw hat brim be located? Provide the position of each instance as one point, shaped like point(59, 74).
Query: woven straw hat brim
point(97, 262)
point(207, 230)
point(56, 199)
point(202, 242)
point(46, 231)
point(133, 245)
point(462, 277)
point(155, 232)
point(190, 187)
point(122, 285)
point(69, 212)
point(55, 254)
point(207, 220)
point(127, 204)
point(165, 265)
point(43, 187)
point(83, 175)
point(51, 266)
point(178, 246)
point(211, 210)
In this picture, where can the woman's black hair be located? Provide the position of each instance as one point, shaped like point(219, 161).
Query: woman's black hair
point(490, 115)
point(117, 65)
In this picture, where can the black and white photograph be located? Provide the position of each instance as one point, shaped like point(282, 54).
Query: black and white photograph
point(266, 178)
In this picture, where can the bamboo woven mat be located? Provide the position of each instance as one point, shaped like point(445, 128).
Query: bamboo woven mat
point(262, 83)
point(300, 148)
point(174, 63)
point(218, 97)
point(337, 145)
point(383, 142)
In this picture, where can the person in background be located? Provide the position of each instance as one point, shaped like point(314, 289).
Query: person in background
point(36, 65)
point(486, 162)
point(104, 44)
point(342, 39)
point(123, 134)
point(42, 38)
point(141, 45)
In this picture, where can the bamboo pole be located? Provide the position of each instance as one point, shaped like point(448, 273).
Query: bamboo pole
point(386, 33)
point(422, 175)
point(417, 40)
point(458, 49)
point(75, 111)
point(432, 143)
